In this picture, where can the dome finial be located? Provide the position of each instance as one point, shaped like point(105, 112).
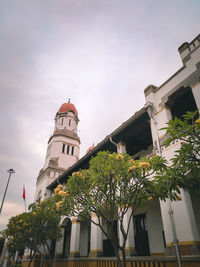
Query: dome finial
point(69, 100)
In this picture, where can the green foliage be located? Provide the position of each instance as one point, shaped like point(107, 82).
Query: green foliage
point(2, 240)
point(35, 228)
point(114, 180)
point(184, 171)
point(112, 185)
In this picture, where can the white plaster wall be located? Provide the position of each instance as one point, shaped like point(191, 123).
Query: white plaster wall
point(196, 93)
point(40, 185)
point(144, 153)
point(184, 219)
point(84, 239)
point(65, 125)
point(65, 160)
point(195, 196)
point(75, 237)
point(44, 180)
point(179, 77)
point(130, 242)
point(155, 227)
point(166, 221)
point(96, 237)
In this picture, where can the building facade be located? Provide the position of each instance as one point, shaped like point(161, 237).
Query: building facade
point(151, 230)
point(62, 149)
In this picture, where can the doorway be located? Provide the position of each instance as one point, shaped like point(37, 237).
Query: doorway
point(141, 235)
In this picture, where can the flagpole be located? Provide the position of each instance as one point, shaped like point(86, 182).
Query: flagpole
point(25, 205)
point(24, 197)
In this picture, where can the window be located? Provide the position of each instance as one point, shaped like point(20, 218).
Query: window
point(69, 122)
point(62, 121)
point(63, 148)
point(72, 150)
point(68, 149)
point(181, 101)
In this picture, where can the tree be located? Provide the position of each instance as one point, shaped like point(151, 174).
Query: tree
point(184, 172)
point(113, 185)
point(2, 241)
point(35, 229)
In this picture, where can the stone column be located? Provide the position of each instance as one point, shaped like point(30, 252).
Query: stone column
point(185, 223)
point(96, 242)
point(186, 227)
point(75, 239)
point(130, 242)
point(121, 147)
point(196, 93)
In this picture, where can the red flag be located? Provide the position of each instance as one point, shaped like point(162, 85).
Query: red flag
point(24, 195)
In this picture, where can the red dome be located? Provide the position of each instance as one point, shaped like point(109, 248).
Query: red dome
point(68, 107)
point(90, 148)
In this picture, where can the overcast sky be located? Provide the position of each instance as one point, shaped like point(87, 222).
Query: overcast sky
point(100, 53)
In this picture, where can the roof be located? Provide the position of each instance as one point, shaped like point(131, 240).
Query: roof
point(66, 107)
point(129, 130)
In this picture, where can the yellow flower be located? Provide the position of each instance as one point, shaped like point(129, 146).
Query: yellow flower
point(131, 161)
point(57, 189)
point(150, 198)
point(83, 178)
point(20, 221)
point(144, 165)
point(119, 157)
point(197, 123)
point(59, 204)
point(34, 213)
point(62, 193)
point(179, 198)
point(132, 168)
point(73, 174)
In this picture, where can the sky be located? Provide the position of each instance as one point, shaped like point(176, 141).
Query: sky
point(101, 54)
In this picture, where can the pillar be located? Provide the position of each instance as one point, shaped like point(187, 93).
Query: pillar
point(130, 242)
point(96, 242)
point(196, 93)
point(75, 239)
point(185, 223)
point(121, 148)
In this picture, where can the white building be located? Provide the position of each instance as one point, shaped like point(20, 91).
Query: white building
point(62, 150)
point(151, 231)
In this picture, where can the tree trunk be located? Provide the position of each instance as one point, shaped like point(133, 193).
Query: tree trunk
point(31, 259)
point(124, 257)
point(41, 261)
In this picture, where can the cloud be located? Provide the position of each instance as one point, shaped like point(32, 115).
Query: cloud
point(10, 209)
point(101, 54)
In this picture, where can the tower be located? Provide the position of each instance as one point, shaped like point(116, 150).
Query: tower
point(62, 149)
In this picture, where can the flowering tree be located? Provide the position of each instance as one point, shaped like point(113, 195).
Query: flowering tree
point(184, 172)
point(113, 185)
point(35, 229)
